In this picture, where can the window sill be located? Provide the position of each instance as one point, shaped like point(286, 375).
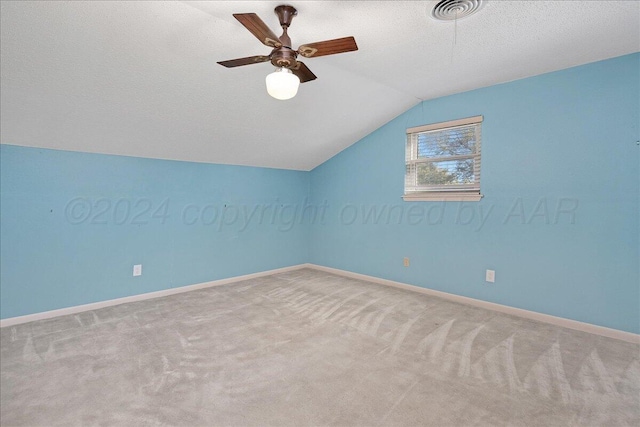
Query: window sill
point(440, 197)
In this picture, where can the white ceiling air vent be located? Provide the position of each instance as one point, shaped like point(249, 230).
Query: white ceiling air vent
point(450, 10)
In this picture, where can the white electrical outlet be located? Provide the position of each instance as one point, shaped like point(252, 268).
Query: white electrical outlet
point(405, 262)
point(490, 276)
point(137, 270)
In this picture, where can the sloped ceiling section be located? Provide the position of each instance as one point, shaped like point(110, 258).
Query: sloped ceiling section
point(141, 79)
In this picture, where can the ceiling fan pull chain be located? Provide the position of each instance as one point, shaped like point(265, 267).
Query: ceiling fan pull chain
point(455, 34)
point(455, 29)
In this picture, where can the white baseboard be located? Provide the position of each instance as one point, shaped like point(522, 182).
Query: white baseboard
point(546, 318)
point(533, 315)
point(140, 297)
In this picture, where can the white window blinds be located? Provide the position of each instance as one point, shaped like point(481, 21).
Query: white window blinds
point(443, 160)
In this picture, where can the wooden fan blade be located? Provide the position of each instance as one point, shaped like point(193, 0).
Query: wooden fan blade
point(244, 61)
point(258, 28)
point(303, 73)
point(328, 47)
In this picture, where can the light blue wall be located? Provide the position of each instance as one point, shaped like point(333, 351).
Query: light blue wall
point(56, 253)
point(563, 139)
point(567, 138)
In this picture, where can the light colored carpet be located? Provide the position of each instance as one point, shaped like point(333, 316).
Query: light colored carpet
point(310, 348)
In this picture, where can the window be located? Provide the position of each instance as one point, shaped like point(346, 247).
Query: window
point(443, 161)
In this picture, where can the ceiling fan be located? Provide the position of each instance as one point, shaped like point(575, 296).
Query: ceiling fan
point(283, 83)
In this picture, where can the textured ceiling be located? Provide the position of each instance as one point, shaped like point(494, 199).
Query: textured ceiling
point(141, 79)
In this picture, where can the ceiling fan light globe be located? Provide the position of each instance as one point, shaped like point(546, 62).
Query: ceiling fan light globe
point(282, 84)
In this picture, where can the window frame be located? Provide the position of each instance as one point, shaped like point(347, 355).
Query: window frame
point(463, 192)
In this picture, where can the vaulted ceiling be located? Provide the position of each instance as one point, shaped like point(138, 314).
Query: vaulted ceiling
point(141, 79)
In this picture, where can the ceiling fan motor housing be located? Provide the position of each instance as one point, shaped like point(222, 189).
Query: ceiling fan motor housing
point(283, 57)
